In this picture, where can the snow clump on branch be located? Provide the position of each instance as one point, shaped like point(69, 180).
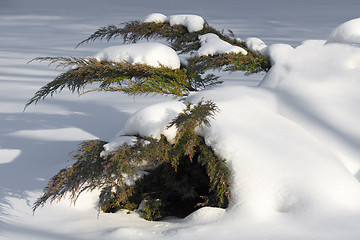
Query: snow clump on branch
point(256, 45)
point(151, 121)
point(156, 17)
point(193, 23)
point(211, 44)
point(149, 53)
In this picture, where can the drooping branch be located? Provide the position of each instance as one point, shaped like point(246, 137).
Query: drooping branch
point(79, 177)
point(133, 79)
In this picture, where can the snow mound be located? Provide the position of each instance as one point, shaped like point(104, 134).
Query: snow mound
point(285, 139)
point(156, 17)
point(255, 45)
point(206, 215)
point(193, 23)
point(348, 32)
point(325, 88)
point(211, 44)
point(150, 53)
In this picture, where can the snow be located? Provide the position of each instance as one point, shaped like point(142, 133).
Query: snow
point(150, 53)
point(156, 17)
point(278, 53)
point(292, 142)
point(9, 155)
point(255, 44)
point(151, 121)
point(193, 23)
point(211, 44)
point(60, 134)
point(116, 142)
point(348, 32)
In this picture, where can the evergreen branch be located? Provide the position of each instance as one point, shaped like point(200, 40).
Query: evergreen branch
point(91, 171)
point(231, 62)
point(178, 36)
point(133, 79)
point(65, 61)
point(108, 33)
point(195, 116)
point(85, 174)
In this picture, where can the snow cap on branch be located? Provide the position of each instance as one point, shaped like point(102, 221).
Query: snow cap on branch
point(151, 121)
point(211, 44)
point(156, 17)
point(149, 53)
point(193, 23)
point(256, 45)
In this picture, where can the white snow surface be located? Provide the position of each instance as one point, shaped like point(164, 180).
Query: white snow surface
point(292, 142)
point(150, 53)
point(348, 32)
point(211, 45)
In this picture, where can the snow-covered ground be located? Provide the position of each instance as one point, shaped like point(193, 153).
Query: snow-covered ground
point(293, 142)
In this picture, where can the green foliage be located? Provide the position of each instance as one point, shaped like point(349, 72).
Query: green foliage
point(151, 210)
point(84, 174)
point(250, 63)
point(180, 177)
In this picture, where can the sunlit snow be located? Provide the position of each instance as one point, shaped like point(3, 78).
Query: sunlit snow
point(255, 44)
point(347, 32)
point(156, 17)
point(193, 23)
point(211, 44)
point(60, 134)
point(8, 155)
point(150, 53)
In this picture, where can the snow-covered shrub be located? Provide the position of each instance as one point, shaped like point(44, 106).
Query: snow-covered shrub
point(152, 175)
point(157, 176)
